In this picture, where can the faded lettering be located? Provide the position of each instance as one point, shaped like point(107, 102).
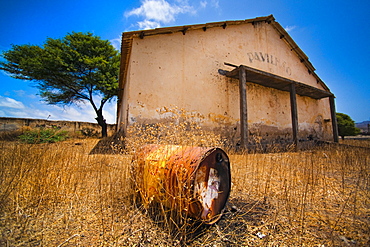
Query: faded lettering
point(256, 57)
point(250, 55)
point(262, 57)
point(270, 59)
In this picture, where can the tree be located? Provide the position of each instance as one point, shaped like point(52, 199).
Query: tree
point(346, 126)
point(79, 67)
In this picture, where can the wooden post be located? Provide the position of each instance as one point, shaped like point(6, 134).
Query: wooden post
point(243, 107)
point(293, 108)
point(333, 118)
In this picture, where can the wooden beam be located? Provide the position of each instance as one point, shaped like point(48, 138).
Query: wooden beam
point(294, 113)
point(243, 108)
point(266, 79)
point(333, 119)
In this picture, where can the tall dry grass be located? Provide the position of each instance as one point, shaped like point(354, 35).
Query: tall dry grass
point(61, 195)
point(51, 192)
point(318, 197)
point(365, 142)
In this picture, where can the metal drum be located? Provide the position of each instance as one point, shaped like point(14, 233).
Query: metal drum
point(192, 180)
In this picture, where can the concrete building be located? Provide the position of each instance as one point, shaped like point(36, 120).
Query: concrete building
point(247, 78)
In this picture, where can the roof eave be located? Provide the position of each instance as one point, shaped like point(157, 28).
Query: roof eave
point(175, 29)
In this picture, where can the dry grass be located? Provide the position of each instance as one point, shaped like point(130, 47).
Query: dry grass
point(57, 194)
point(305, 198)
point(365, 142)
point(51, 192)
point(61, 195)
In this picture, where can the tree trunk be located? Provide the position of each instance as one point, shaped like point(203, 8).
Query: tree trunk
point(101, 121)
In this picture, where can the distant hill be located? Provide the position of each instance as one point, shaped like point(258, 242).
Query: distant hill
point(363, 126)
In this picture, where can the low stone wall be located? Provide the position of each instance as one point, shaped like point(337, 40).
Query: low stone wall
point(11, 124)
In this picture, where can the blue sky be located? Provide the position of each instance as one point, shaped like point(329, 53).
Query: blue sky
point(334, 35)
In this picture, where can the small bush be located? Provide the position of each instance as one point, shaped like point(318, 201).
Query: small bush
point(43, 135)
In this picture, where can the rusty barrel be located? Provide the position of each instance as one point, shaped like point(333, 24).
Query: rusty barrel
point(192, 180)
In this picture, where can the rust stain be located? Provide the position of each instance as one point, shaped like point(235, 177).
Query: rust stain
point(221, 119)
point(193, 180)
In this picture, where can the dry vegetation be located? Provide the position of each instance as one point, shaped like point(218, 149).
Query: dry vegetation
point(61, 195)
point(357, 143)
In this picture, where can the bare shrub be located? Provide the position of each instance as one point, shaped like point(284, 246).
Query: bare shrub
point(176, 127)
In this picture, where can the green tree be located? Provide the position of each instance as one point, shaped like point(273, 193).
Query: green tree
point(79, 67)
point(346, 126)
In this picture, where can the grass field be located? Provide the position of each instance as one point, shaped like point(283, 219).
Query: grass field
point(60, 195)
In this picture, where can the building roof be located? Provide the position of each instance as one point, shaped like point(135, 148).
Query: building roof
point(127, 38)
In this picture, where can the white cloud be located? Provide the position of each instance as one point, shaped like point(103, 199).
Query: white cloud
point(4, 73)
point(83, 112)
point(31, 112)
point(116, 43)
point(215, 4)
point(156, 12)
point(110, 111)
point(20, 92)
point(26, 112)
point(146, 24)
point(290, 28)
point(10, 103)
point(39, 110)
point(212, 3)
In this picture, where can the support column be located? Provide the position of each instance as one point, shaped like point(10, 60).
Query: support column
point(333, 118)
point(243, 107)
point(293, 108)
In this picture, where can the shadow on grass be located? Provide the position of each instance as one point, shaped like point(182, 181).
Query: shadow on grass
point(109, 145)
point(241, 219)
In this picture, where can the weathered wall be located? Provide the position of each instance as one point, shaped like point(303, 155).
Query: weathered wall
point(10, 124)
point(182, 70)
